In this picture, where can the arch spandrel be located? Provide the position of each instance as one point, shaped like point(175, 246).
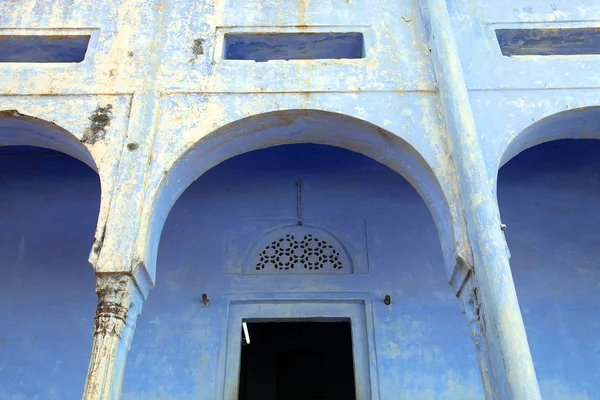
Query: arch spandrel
point(169, 179)
point(577, 123)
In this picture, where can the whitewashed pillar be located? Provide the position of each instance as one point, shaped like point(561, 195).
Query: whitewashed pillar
point(491, 304)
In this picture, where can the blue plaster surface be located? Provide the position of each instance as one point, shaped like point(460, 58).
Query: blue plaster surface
point(549, 42)
point(474, 24)
point(294, 46)
point(509, 122)
point(141, 52)
point(549, 197)
point(43, 49)
point(422, 342)
point(49, 204)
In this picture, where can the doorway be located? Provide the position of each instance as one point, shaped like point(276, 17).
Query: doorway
point(297, 361)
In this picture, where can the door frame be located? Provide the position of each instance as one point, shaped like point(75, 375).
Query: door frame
point(305, 307)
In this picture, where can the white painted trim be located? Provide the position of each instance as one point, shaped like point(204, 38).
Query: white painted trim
point(303, 306)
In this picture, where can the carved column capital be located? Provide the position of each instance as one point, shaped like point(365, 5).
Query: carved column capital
point(119, 303)
point(114, 299)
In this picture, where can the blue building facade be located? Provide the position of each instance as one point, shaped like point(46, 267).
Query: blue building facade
point(332, 199)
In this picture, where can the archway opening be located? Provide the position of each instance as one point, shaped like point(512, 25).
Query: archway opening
point(360, 208)
point(49, 204)
point(296, 126)
point(548, 197)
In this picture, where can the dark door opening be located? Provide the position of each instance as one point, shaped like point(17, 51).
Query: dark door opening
point(297, 361)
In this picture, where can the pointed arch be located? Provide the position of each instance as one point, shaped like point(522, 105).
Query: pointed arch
point(17, 129)
point(296, 126)
point(579, 123)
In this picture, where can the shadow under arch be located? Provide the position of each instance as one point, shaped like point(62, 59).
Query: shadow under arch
point(50, 206)
point(298, 127)
point(579, 123)
point(22, 130)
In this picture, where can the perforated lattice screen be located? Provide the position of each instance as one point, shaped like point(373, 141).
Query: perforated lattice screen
point(301, 250)
point(308, 252)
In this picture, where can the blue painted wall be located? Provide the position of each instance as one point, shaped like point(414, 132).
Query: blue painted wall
point(48, 209)
point(422, 341)
point(168, 94)
point(549, 197)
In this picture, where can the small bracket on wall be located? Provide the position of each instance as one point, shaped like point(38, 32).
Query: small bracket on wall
point(387, 300)
point(205, 300)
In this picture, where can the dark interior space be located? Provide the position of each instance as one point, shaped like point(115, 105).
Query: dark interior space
point(298, 361)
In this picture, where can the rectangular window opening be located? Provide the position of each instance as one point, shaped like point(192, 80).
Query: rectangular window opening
point(297, 361)
point(549, 41)
point(263, 47)
point(43, 48)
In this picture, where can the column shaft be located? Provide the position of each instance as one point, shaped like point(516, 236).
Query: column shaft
point(511, 371)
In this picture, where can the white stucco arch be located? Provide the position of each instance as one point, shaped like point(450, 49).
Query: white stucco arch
point(294, 126)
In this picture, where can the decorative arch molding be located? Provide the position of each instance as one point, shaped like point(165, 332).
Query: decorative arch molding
point(295, 126)
point(38, 129)
point(17, 129)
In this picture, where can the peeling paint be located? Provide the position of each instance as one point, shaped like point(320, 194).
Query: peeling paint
point(100, 120)
point(154, 105)
point(197, 49)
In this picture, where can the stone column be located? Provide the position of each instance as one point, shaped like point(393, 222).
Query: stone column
point(119, 304)
point(492, 306)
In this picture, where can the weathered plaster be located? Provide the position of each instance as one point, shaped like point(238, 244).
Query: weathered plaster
point(187, 158)
point(485, 68)
point(177, 110)
point(398, 43)
point(116, 62)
